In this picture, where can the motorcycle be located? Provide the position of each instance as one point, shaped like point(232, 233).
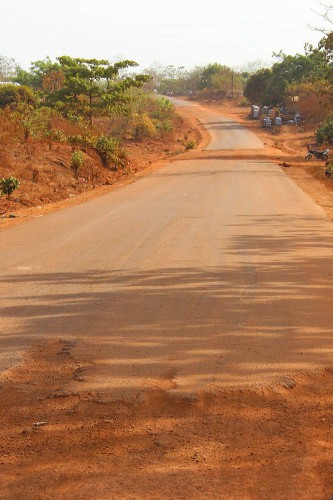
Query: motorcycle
point(320, 155)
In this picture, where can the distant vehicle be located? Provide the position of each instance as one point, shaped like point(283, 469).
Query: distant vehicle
point(320, 155)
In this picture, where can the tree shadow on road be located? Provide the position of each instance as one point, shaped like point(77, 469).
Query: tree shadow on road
point(143, 396)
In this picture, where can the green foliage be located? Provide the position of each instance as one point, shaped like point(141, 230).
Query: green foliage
point(8, 185)
point(164, 126)
point(256, 90)
point(110, 152)
point(163, 108)
point(211, 71)
point(89, 87)
point(81, 87)
point(145, 114)
point(36, 123)
point(294, 68)
point(325, 132)
point(162, 114)
point(24, 122)
point(13, 95)
point(59, 136)
point(77, 161)
point(38, 70)
point(270, 86)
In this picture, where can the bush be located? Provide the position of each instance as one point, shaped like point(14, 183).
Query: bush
point(8, 185)
point(325, 132)
point(38, 122)
point(144, 126)
point(13, 95)
point(329, 170)
point(163, 108)
point(58, 136)
point(109, 150)
point(164, 126)
point(77, 162)
point(188, 143)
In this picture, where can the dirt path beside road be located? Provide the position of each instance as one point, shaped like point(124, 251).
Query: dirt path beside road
point(239, 444)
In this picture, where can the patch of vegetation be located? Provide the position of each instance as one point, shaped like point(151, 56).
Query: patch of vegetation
point(325, 132)
point(8, 185)
point(188, 143)
point(329, 171)
point(77, 162)
point(110, 152)
point(143, 126)
point(13, 95)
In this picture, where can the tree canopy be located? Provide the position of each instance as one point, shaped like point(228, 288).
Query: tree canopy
point(270, 85)
point(89, 86)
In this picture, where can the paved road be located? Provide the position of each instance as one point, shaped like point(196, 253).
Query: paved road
point(224, 132)
point(206, 273)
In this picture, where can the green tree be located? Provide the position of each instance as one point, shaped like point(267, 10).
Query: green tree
point(270, 86)
point(208, 74)
point(295, 69)
point(38, 70)
point(92, 86)
point(256, 90)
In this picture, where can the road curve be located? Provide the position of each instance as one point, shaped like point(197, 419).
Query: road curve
point(224, 132)
point(208, 273)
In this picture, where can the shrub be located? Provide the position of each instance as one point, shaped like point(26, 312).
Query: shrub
point(188, 143)
point(8, 185)
point(77, 162)
point(36, 123)
point(12, 95)
point(325, 132)
point(163, 108)
point(144, 126)
point(109, 150)
point(58, 136)
point(164, 126)
point(329, 170)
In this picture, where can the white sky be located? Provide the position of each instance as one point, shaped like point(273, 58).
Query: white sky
point(180, 32)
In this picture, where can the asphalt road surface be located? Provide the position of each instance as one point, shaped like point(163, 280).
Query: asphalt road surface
point(207, 273)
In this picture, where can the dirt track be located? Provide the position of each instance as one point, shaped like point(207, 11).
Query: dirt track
point(181, 334)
